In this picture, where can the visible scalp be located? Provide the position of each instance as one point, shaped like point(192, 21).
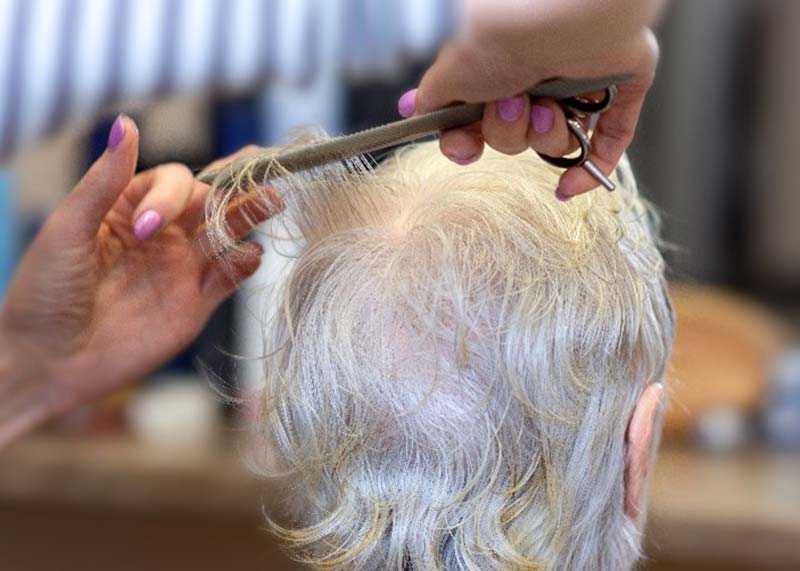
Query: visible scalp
point(454, 362)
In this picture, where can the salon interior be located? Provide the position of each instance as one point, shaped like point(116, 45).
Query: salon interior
point(152, 477)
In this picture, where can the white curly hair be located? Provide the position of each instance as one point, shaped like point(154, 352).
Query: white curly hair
point(456, 358)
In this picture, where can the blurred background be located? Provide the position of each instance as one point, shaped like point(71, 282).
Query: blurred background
point(152, 477)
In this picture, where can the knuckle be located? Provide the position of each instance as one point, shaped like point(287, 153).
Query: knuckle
point(652, 49)
point(507, 145)
point(177, 170)
point(508, 139)
point(645, 55)
point(424, 101)
point(616, 134)
point(554, 145)
point(442, 83)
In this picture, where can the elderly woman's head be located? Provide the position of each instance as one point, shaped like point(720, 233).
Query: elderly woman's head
point(464, 373)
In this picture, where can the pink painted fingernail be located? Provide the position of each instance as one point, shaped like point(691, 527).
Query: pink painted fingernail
point(407, 104)
point(464, 160)
point(561, 196)
point(510, 109)
point(542, 119)
point(146, 225)
point(117, 133)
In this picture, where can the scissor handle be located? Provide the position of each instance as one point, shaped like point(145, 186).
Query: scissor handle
point(574, 106)
point(583, 106)
point(585, 144)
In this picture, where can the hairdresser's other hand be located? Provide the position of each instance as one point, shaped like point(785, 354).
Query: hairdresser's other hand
point(119, 279)
point(506, 47)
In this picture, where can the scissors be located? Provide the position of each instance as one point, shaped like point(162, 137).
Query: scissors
point(577, 108)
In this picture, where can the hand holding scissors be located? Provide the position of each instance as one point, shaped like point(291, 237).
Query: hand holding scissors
point(575, 109)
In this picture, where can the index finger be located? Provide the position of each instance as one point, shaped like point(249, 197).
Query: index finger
point(194, 215)
point(162, 194)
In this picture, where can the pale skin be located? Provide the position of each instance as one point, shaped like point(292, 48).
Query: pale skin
point(502, 52)
point(640, 440)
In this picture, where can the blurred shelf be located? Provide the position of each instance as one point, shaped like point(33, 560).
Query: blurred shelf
point(74, 505)
point(744, 510)
point(126, 474)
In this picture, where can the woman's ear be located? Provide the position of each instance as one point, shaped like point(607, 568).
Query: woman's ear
point(639, 443)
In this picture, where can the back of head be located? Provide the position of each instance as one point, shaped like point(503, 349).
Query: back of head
point(455, 363)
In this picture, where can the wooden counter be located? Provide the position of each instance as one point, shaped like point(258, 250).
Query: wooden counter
point(739, 512)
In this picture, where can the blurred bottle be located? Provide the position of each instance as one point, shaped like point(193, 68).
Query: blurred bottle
point(9, 239)
point(781, 411)
point(723, 430)
point(176, 414)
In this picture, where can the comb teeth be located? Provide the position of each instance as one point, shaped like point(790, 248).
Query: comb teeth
point(401, 132)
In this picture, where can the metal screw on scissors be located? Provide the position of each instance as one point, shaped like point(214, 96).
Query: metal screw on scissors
point(576, 108)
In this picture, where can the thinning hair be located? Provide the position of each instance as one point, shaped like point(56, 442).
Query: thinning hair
point(457, 355)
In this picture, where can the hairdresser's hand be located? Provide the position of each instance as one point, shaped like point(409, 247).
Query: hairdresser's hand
point(120, 278)
point(507, 47)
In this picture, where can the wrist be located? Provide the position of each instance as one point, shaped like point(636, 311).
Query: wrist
point(27, 397)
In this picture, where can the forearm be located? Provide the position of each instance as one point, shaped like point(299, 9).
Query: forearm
point(549, 38)
point(25, 393)
point(620, 14)
point(553, 33)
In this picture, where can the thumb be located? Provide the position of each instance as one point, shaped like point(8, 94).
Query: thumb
point(105, 180)
point(465, 74)
point(442, 84)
